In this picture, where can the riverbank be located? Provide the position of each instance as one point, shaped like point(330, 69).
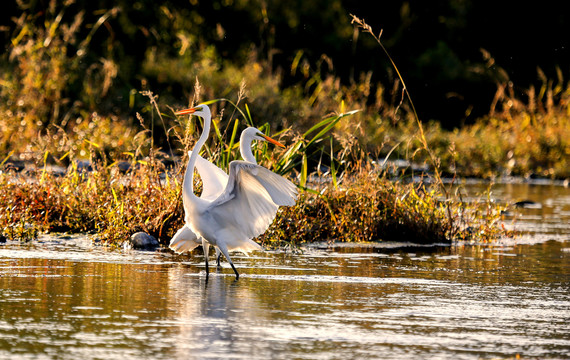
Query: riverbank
point(346, 194)
point(115, 203)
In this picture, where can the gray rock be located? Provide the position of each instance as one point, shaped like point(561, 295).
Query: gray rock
point(141, 241)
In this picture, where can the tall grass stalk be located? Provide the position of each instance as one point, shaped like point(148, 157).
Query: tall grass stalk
point(435, 161)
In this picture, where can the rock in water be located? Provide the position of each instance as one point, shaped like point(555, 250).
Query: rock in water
point(528, 204)
point(141, 241)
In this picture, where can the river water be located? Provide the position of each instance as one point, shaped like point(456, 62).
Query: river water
point(62, 298)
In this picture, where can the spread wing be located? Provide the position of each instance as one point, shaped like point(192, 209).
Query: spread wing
point(250, 200)
point(214, 179)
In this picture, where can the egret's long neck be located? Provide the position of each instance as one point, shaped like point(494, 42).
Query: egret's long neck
point(245, 149)
point(189, 175)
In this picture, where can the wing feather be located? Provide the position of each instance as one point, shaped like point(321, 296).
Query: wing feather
point(282, 191)
point(250, 200)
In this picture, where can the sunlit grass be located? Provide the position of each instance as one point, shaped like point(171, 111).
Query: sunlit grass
point(520, 140)
point(356, 201)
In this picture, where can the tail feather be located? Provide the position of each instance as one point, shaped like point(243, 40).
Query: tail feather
point(246, 247)
point(233, 240)
point(184, 240)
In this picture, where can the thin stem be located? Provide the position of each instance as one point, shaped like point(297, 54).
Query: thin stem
point(435, 162)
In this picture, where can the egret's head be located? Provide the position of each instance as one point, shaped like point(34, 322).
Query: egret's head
point(200, 110)
point(251, 133)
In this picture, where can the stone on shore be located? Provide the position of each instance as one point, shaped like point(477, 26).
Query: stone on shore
point(141, 241)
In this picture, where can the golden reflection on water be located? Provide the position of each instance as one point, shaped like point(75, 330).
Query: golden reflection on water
point(360, 301)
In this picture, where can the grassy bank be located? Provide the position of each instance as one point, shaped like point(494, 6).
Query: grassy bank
point(517, 138)
point(523, 137)
point(357, 201)
point(113, 205)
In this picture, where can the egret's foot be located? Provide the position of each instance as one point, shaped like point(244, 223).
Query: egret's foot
point(219, 259)
point(206, 248)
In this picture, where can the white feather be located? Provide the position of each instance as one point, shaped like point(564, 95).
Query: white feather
point(184, 240)
point(214, 179)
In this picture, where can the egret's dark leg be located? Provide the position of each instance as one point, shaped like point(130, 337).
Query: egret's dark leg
point(233, 267)
point(219, 258)
point(223, 248)
point(206, 247)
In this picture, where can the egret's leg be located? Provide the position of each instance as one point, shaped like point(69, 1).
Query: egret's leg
point(233, 267)
point(219, 256)
point(223, 248)
point(206, 247)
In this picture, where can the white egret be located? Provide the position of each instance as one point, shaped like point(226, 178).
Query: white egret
point(214, 181)
point(243, 210)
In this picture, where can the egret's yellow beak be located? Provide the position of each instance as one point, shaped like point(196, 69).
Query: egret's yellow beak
point(188, 111)
point(274, 142)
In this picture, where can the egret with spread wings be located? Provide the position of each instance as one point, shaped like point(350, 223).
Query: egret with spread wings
point(233, 209)
point(214, 181)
